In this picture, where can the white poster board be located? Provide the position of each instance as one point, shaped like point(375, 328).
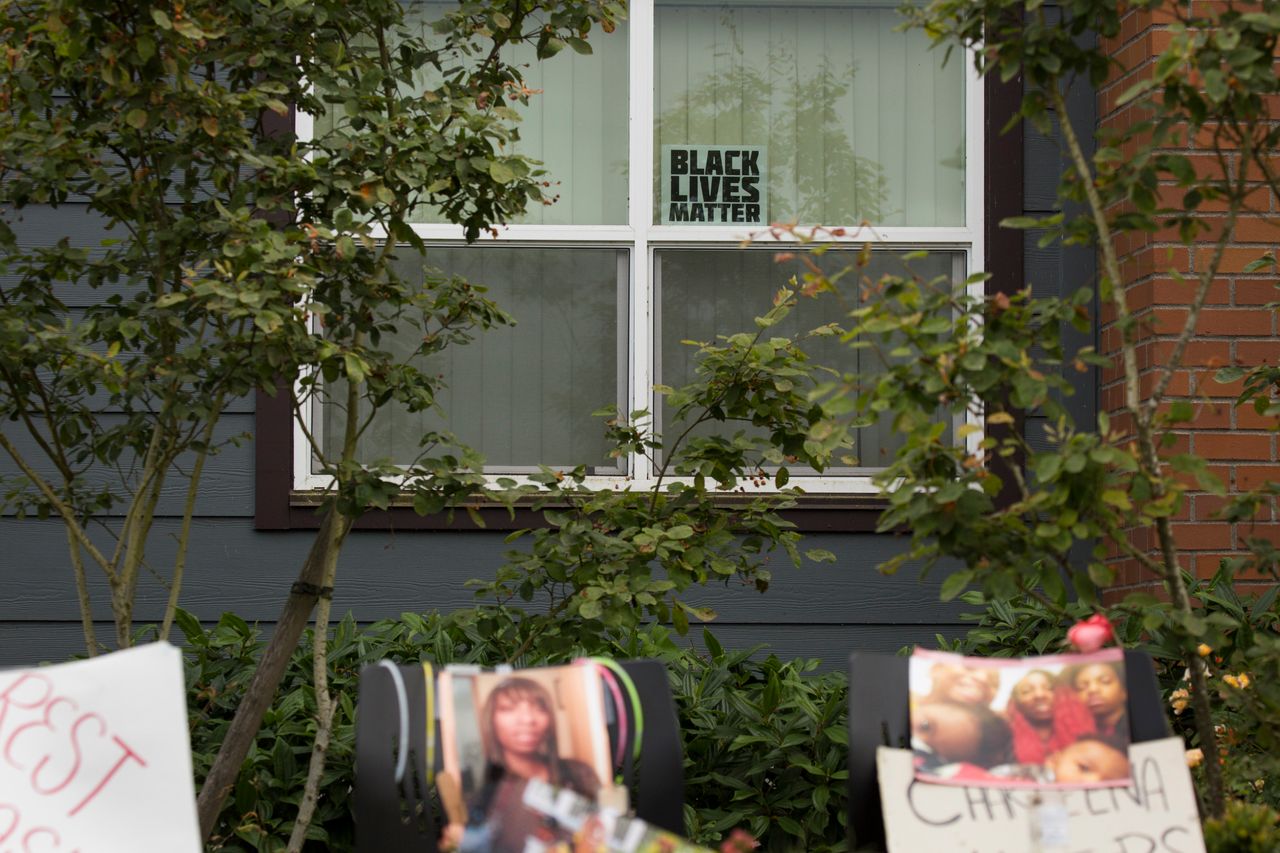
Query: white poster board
point(1157, 815)
point(95, 756)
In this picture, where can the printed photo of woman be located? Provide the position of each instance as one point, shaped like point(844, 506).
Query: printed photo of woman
point(1100, 686)
point(1045, 717)
point(499, 732)
point(518, 727)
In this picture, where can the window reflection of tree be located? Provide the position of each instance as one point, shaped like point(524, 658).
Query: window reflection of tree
point(819, 178)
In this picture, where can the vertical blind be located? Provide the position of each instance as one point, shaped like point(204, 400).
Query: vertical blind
point(575, 123)
point(522, 395)
point(860, 122)
point(709, 292)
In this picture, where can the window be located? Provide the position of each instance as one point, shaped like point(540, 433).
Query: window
point(691, 126)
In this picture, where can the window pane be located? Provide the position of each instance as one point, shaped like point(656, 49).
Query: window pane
point(523, 395)
point(857, 121)
point(575, 123)
point(710, 292)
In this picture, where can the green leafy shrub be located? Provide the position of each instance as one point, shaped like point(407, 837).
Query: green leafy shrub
point(766, 745)
point(1245, 828)
point(1241, 640)
point(1242, 645)
point(764, 740)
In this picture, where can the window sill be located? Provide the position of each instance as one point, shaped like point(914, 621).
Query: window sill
point(813, 514)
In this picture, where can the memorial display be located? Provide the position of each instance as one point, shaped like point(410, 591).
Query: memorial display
point(521, 760)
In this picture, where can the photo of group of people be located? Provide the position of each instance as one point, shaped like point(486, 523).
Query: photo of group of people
point(1053, 721)
point(527, 766)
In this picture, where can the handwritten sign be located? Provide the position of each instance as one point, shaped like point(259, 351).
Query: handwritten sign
point(714, 185)
point(95, 756)
point(1156, 815)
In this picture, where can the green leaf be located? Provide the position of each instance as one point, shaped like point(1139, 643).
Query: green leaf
point(1101, 574)
point(1181, 411)
point(1117, 499)
point(955, 584)
point(1139, 88)
point(680, 621)
point(579, 45)
point(1215, 84)
point(1261, 263)
point(501, 172)
point(136, 118)
point(713, 645)
point(355, 368)
point(161, 19)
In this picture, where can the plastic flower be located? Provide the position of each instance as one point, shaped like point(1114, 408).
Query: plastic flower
point(1179, 699)
point(1204, 650)
point(1091, 634)
point(1194, 757)
point(1239, 682)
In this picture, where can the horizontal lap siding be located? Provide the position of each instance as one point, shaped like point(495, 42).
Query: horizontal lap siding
point(382, 574)
point(226, 488)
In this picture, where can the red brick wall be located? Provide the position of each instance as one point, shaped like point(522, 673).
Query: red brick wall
point(1234, 328)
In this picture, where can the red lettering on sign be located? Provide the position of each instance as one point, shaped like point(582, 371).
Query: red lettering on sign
point(128, 754)
point(40, 830)
point(9, 696)
point(75, 756)
point(44, 723)
point(14, 817)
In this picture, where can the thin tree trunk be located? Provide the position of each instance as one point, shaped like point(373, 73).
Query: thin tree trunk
point(1149, 460)
point(188, 512)
point(82, 595)
point(266, 678)
point(325, 707)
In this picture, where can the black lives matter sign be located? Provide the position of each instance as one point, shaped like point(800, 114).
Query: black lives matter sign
point(714, 185)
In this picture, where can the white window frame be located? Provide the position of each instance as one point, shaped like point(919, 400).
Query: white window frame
point(643, 237)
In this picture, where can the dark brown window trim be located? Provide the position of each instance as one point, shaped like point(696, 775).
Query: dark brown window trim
point(1005, 198)
point(278, 507)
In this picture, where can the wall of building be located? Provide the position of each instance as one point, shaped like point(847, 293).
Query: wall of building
point(821, 611)
point(1234, 328)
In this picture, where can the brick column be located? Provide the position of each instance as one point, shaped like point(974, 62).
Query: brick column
point(1234, 328)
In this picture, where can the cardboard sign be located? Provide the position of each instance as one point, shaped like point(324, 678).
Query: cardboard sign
point(714, 185)
point(1156, 815)
point(95, 756)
